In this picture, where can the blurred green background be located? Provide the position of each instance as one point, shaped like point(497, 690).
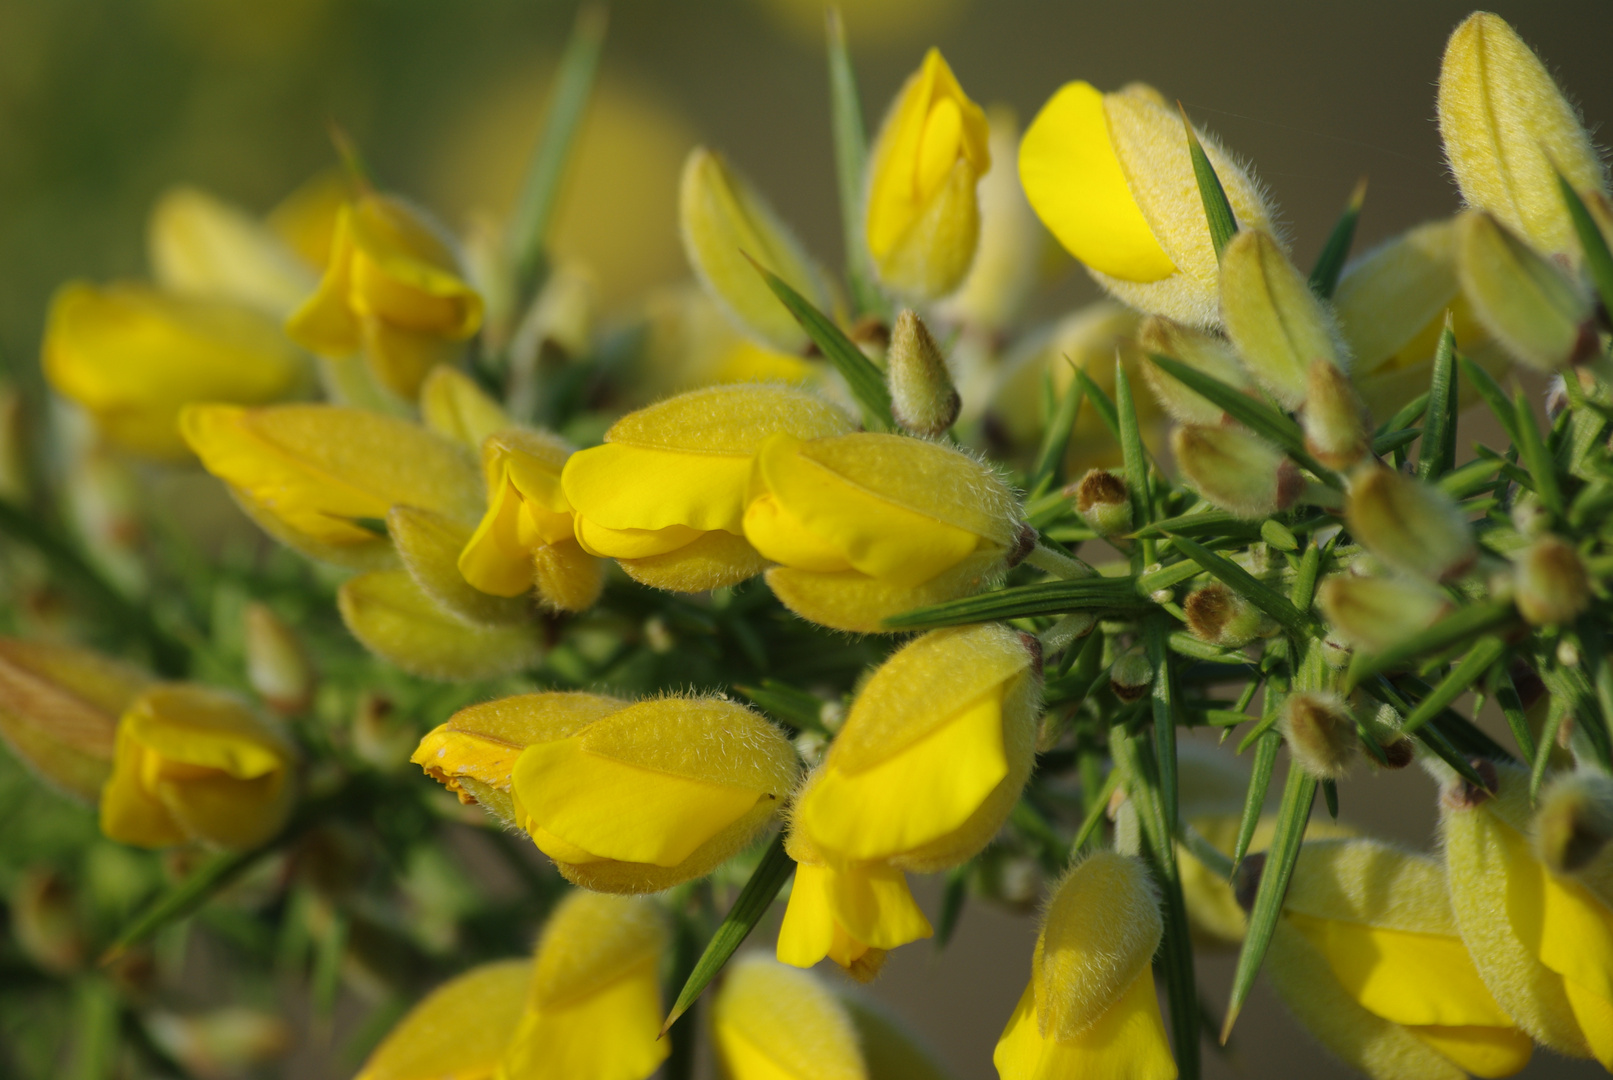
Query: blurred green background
point(105, 103)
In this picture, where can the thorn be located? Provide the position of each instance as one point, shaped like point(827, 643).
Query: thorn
point(353, 165)
point(1232, 1016)
point(1358, 196)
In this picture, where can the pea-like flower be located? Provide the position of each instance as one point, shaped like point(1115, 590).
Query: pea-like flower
point(623, 797)
point(1542, 941)
point(865, 526)
point(193, 764)
point(527, 538)
point(460, 1029)
point(133, 357)
point(1112, 177)
point(317, 477)
point(771, 1022)
point(1089, 1008)
point(392, 290)
point(1367, 956)
point(665, 495)
point(930, 761)
point(200, 245)
point(923, 214)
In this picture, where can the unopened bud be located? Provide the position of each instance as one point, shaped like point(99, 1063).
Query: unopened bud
point(1413, 527)
point(1336, 654)
point(1508, 130)
point(1199, 350)
point(1376, 613)
point(1103, 502)
point(1575, 821)
point(1532, 307)
point(1278, 535)
point(1552, 584)
point(1222, 617)
point(1335, 419)
point(1398, 753)
point(1320, 732)
point(1277, 323)
point(1237, 471)
point(43, 921)
point(276, 665)
point(223, 1042)
point(1131, 675)
point(923, 399)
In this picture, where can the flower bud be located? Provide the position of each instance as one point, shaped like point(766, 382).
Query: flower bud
point(276, 665)
point(1574, 824)
point(630, 798)
point(430, 546)
point(923, 216)
point(453, 406)
point(1335, 421)
point(59, 708)
point(1222, 617)
point(1376, 613)
point(1237, 471)
point(462, 1028)
point(133, 357)
point(1542, 942)
point(202, 246)
point(1552, 586)
point(392, 289)
point(43, 922)
point(923, 399)
point(1413, 527)
point(1508, 130)
point(317, 477)
point(220, 1042)
point(1102, 500)
point(723, 220)
point(772, 1022)
point(394, 618)
point(1131, 675)
point(193, 764)
point(932, 758)
point(1320, 731)
point(665, 495)
point(1198, 350)
point(1090, 1008)
point(1535, 310)
point(594, 1004)
point(1276, 322)
point(865, 526)
point(1112, 177)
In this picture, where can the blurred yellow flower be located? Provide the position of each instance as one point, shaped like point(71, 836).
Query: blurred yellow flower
point(459, 1031)
point(771, 1022)
point(200, 245)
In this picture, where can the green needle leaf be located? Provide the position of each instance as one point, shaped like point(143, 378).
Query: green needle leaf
point(851, 163)
point(1254, 800)
point(181, 898)
point(1491, 392)
point(1466, 622)
point(1557, 713)
point(1097, 594)
point(1135, 461)
point(1163, 705)
point(1217, 210)
point(1536, 457)
point(1330, 264)
point(1094, 818)
point(953, 894)
point(1246, 585)
point(1485, 652)
point(866, 381)
point(1057, 439)
point(753, 901)
point(1438, 451)
point(798, 708)
point(1506, 696)
point(1597, 257)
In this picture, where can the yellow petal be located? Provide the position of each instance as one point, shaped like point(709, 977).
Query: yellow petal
point(1483, 1051)
point(1126, 1043)
point(1594, 1014)
point(207, 729)
point(203, 246)
point(609, 1035)
point(393, 617)
point(405, 273)
point(129, 813)
point(1077, 186)
point(324, 323)
point(494, 560)
point(457, 1032)
point(610, 543)
point(770, 1022)
point(709, 561)
point(590, 942)
point(808, 931)
point(431, 547)
point(874, 905)
point(779, 535)
point(853, 601)
point(1562, 921)
point(628, 487)
point(710, 739)
point(567, 577)
point(1102, 929)
point(452, 405)
point(728, 420)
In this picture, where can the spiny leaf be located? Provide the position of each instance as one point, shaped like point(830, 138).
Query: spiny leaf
point(1598, 260)
point(1438, 450)
point(1536, 457)
point(1506, 696)
point(1217, 210)
point(1101, 401)
point(953, 894)
point(1465, 622)
point(851, 163)
point(1491, 392)
point(1095, 815)
point(1134, 460)
point(1246, 585)
point(1217, 523)
point(1162, 703)
point(1336, 251)
point(1409, 414)
point(1486, 651)
point(1556, 714)
point(1254, 800)
point(752, 903)
point(1109, 595)
point(1470, 478)
point(1390, 441)
point(1057, 437)
point(866, 381)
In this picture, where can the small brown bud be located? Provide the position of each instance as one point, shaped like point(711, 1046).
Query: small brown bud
point(1399, 753)
point(1321, 733)
point(923, 399)
point(44, 923)
point(1221, 617)
point(1102, 500)
point(1552, 584)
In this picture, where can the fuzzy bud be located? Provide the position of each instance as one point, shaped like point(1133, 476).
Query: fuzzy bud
point(1377, 612)
point(1320, 732)
point(1237, 471)
point(1575, 821)
point(1131, 676)
point(1276, 322)
point(1552, 584)
point(1103, 502)
point(276, 665)
point(923, 398)
point(1198, 350)
point(1538, 313)
point(1413, 527)
point(1335, 420)
point(1221, 617)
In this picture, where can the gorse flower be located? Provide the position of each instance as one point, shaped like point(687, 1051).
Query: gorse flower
point(461, 1029)
point(202, 246)
point(771, 1022)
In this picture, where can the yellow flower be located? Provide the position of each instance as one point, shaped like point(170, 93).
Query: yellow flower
point(194, 764)
point(665, 495)
point(1542, 941)
point(923, 216)
point(202, 246)
point(1507, 128)
point(452, 405)
point(459, 1031)
point(593, 1008)
point(771, 1022)
point(133, 357)
point(528, 537)
point(1090, 1009)
point(690, 343)
point(930, 761)
point(1111, 176)
point(1367, 956)
point(865, 526)
point(59, 708)
point(391, 614)
point(393, 289)
point(316, 477)
point(1277, 324)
